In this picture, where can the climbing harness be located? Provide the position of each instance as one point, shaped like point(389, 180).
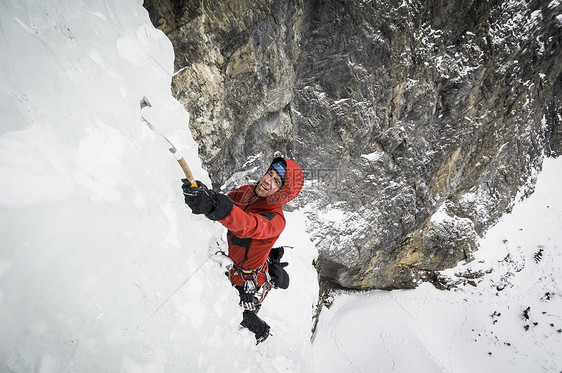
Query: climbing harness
point(250, 277)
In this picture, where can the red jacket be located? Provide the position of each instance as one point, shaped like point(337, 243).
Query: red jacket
point(255, 223)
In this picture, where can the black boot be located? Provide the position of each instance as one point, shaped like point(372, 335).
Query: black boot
point(253, 323)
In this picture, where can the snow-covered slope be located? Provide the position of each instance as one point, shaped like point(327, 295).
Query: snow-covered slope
point(94, 233)
point(510, 320)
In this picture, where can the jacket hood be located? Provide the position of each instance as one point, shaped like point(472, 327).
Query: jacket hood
point(294, 181)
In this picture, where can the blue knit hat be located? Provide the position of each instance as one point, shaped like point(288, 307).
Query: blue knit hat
point(281, 169)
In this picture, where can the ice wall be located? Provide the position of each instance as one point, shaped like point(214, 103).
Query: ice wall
point(94, 234)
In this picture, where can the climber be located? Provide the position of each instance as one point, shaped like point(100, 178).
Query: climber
point(254, 218)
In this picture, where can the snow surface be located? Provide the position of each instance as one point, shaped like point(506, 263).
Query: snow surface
point(104, 269)
point(509, 320)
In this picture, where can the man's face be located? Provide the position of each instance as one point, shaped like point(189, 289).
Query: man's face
point(269, 184)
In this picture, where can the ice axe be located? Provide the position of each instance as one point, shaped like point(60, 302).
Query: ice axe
point(183, 164)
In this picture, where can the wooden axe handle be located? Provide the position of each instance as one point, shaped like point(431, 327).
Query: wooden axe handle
point(187, 172)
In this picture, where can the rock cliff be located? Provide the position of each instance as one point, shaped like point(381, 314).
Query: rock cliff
point(418, 123)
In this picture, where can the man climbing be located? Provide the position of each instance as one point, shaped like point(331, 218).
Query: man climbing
point(254, 218)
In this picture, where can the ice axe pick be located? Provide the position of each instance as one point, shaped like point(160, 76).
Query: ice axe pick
point(183, 164)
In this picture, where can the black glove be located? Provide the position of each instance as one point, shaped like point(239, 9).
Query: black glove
point(202, 200)
point(199, 198)
point(279, 277)
point(276, 254)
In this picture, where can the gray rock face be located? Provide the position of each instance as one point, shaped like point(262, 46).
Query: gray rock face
point(418, 124)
